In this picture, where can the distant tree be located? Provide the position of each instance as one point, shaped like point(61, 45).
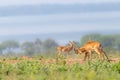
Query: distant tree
point(49, 45)
point(108, 41)
point(10, 45)
point(117, 42)
point(90, 37)
point(28, 47)
point(38, 46)
point(2, 47)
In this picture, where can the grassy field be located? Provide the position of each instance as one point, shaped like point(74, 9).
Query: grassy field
point(42, 68)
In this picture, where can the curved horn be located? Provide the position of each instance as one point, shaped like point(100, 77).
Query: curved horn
point(76, 44)
point(70, 41)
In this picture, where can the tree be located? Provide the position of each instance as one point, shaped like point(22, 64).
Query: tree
point(38, 46)
point(117, 41)
point(108, 41)
point(1, 48)
point(28, 47)
point(49, 45)
point(10, 45)
point(90, 37)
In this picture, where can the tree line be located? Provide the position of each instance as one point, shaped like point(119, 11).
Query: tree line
point(111, 43)
point(28, 48)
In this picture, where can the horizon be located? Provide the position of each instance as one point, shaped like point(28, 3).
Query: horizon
point(51, 16)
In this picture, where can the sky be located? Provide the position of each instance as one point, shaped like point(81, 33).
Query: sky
point(27, 2)
point(19, 17)
point(15, 25)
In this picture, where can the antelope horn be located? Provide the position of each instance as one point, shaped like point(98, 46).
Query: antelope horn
point(76, 44)
point(70, 41)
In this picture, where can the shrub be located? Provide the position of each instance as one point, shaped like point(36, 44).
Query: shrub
point(116, 67)
point(28, 67)
point(6, 68)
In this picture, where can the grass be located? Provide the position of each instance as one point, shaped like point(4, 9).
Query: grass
point(59, 69)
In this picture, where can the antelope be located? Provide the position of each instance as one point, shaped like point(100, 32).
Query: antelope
point(66, 49)
point(89, 48)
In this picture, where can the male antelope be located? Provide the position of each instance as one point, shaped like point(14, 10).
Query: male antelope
point(89, 48)
point(66, 49)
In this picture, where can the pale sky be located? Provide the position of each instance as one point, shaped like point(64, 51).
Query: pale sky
point(21, 17)
point(53, 23)
point(15, 25)
point(27, 2)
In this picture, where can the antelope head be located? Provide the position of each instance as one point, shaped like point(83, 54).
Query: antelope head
point(76, 50)
point(79, 50)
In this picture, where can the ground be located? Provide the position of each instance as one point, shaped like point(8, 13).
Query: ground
point(69, 61)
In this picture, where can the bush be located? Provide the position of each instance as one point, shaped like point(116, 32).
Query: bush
point(6, 68)
point(116, 67)
point(28, 67)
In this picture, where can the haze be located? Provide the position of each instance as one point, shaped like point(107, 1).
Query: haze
point(21, 17)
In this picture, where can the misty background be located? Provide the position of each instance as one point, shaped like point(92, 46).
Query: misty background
point(59, 21)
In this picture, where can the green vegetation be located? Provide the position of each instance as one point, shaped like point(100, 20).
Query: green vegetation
point(36, 70)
